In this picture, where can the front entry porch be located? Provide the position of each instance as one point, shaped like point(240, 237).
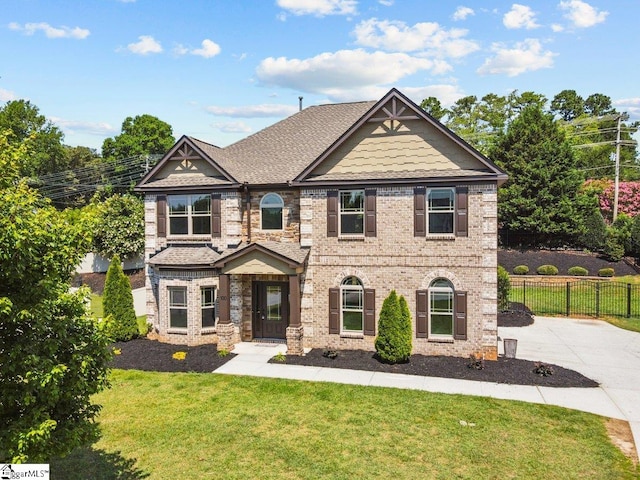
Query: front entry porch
point(260, 292)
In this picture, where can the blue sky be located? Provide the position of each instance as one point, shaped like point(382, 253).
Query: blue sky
point(221, 70)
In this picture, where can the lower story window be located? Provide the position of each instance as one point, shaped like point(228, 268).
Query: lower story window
point(178, 307)
point(352, 304)
point(208, 306)
point(441, 308)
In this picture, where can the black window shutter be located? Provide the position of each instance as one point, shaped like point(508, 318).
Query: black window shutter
point(216, 215)
point(334, 310)
point(332, 213)
point(462, 217)
point(369, 311)
point(422, 305)
point(419, 212)
point(460, 316)
point(370, 213)
point(161, 215)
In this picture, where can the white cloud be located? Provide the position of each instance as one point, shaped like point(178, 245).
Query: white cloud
point(233, 127)
point(629, 105)
point(209, 49)
point(520, 16)
point(427, 37)
point(94, 128)
point(581, 14)
point(555, 27)
point(319, 8)
point(253, 111)
point(6, 95)
point(333, 73)
point(51, 32)
point(146, 44)
point(386, 3)
point(524, 57)
point(462, 13)
point(447, 94)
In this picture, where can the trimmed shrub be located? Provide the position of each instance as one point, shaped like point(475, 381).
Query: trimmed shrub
point(521, 270)
point(117, 300)
point(504, 287)
point(606, 272)
point(393, 343)
point(578, 271)
point(547, 270)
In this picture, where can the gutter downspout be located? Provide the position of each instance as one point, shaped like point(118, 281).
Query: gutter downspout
point(248, 207)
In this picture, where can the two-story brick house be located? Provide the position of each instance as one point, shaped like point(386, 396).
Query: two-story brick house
point(300, 231)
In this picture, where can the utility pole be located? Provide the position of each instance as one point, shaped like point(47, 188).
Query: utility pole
point(617, 179)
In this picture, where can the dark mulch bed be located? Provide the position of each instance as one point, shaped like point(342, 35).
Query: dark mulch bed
point(505, 370)
point(154, 356)
point(563, 259)
point(95, 281)
point(518, 315)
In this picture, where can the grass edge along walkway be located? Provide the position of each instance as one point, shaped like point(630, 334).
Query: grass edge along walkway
point(206, 426)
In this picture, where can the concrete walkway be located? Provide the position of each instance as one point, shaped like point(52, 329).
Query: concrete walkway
point(598, 350)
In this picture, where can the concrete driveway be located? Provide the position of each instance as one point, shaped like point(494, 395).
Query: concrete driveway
point(598, 350)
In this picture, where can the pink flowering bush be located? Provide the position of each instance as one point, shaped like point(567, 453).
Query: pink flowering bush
point(628, 196)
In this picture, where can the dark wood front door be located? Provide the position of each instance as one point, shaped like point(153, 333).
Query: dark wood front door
point(270, 309)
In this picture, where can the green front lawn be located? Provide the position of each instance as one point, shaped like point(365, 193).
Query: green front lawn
point(201, 426)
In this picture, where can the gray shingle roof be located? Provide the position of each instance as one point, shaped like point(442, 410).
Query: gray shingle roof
point(290, 250)
point(397, 175)
point(184, 256)
point(280, 152)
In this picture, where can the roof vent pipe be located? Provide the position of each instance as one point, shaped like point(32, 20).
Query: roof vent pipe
point(300, 102)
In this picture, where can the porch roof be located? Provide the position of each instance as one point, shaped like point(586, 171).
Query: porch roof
point(263, 257)
point(185, 256)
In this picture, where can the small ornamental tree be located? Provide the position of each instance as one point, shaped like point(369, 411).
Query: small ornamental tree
point(117, 301)
point(393, 343)
point(118, 226)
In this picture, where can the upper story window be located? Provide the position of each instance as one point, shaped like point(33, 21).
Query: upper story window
point(441, 210)
point(352, 212)
point(189, 214)
point(271, 210)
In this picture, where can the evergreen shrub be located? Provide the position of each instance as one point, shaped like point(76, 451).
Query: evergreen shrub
point(393, 343)
point(520, 270)
point(578, 271)
point(606, 272)
point(547, 270)
point(504, 287)
point(117, 301)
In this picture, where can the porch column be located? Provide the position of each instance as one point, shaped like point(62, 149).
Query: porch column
point(225, 329)
point(294, 330)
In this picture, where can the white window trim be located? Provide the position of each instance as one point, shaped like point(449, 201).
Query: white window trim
point(355, 288)
point(340, 213)
point(189, 216)
point(170, 307)
point(208, 329)
point(452, 211)
point(450, 291)
point(272, 205)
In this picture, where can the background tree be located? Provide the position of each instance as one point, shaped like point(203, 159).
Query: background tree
point(54, 356)
point(46, 153)
point(118, 226)
point(141, 135)
point(433, 107)
point(568, 105)
point(393, 343)
point(541, 196)
point(117, 301)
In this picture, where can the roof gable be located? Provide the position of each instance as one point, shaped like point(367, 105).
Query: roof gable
point(189, 164)
point(397, 139)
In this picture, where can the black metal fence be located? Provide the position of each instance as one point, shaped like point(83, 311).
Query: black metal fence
point(583, 298)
